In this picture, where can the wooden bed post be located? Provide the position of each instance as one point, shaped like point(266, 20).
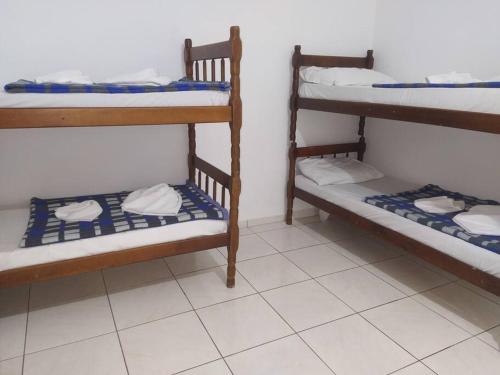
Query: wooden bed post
point(293, 130)
point(235, 126)
point(188, 44)
point(362, 119)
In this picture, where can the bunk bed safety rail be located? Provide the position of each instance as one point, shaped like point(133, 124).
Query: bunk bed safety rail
point(333, 61)
point(336, 149)
point(212, 180)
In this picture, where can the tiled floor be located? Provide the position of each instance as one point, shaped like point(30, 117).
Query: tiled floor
point(316, 298)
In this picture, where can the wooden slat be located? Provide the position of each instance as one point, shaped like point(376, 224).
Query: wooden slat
point(214, 172)
point(117, 258)
point(207, 183)
point(212, 77)
point(327, 149)
point(17, 118)
point(204, 70)
point(223, 199)
point(199, 179)
point(222, 70)
point(212, 51)
point(197, 70)
point(214, 190)
point(483, 122)
point(442, 260)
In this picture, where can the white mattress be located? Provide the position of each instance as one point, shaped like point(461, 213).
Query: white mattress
point(461, 99)
point(13, 224)
point(351, 196)
point(156, 99)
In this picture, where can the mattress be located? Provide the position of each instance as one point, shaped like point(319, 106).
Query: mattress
point(13, 224)
point(485, 100)
point(351, 196)
point(157, 99)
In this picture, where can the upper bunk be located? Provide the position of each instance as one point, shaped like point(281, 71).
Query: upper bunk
point(203, 63)
point(464, 108)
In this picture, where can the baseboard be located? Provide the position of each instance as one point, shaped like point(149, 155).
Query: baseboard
point(299, 213)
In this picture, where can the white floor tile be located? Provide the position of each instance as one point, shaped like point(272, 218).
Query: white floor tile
point(56, 325)
point(12, 366)
point(208, 287)
point(132, 275)
point(319, 260)
point(407, 276)
point(415, 369)
point(13, 314)
point(330, 230)
point(98, 356)
point(261, 228)
point(184, 263)
point(305, 305)
point(214, 368)
point(252, 246)
point(353, 346)
point(360, 289)
point(245, 231)
point(290, 238)
point(271, 272)
point(147, 302)
point(491, 337)
point(241, 324)
point(480, 291)
point(416, 328)
point(167, 346)
point(467, 358)
point(463, 307)
point(288, 356)
point(366, 249)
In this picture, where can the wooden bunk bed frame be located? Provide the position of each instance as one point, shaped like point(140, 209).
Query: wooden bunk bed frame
point(450, 118)
point(84, 117)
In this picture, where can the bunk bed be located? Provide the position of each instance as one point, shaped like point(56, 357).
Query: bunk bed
point(203, 63)
point(467, 261)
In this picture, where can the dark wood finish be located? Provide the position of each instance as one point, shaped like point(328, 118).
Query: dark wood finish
point(112, 259)
point(444, 261)
point(456, 119)
point(85, 117)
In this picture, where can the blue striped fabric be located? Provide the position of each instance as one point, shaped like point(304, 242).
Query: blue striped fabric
point(479, 85)
point(23, 87)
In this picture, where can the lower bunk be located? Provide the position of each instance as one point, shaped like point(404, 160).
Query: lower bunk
point(470, 262)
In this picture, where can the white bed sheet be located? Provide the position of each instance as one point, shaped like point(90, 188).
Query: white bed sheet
point(461, 99)
point(351, 196)
point(13, 224)
point(155, 99)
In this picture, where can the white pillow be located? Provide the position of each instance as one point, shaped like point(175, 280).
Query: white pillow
point(344, 76)
point(337, 171)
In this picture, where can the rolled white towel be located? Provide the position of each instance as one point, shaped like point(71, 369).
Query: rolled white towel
point(482, 219)
point(439, 205)
point(65, 76)
point(83, 211)
point(143, 77)
point(158, 200)
point(452, 77)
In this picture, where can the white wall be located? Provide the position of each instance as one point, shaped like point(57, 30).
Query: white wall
point(413, 39)
point(115, 36)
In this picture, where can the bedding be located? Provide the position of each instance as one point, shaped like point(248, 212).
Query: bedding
point(44, 227)
point(344, 76)
point(24, 86)
point(352, 196)
point(402, 204)
point(483, 100)
point(470, 85)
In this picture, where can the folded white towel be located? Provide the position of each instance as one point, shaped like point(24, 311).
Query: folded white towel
point(480, 219)
point(143, 77)
point(83, 211)
point(65, 76)
point(439, 205)
point(158, 200)
point(452, 77)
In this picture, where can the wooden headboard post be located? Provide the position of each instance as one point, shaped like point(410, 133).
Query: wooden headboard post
point(292, 158)
point(188, 44)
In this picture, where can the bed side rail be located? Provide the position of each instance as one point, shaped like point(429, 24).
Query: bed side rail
point(333, 61)
point(335, 149)
point(212, 180)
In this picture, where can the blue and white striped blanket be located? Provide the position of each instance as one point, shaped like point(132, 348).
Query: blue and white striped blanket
point(481, 85)
point(402, 205)
point(24, 86)
point(45, 228)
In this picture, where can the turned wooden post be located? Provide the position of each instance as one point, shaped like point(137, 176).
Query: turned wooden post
point(296, 61)
point(362, 142)
point(188, 44)
point(235, 126)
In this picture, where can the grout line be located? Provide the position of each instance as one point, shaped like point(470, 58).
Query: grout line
point(203, 364)
point(114, 322)
point(26, 330)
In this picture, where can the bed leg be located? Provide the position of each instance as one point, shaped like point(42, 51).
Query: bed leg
point(231, 265)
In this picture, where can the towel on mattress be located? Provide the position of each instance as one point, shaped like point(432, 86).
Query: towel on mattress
point(24, 86)
point(45, 228)
point(403, 205)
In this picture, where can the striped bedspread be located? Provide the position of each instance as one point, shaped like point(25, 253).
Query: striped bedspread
point(402, 205)
point(480, 85)
point(24, 86)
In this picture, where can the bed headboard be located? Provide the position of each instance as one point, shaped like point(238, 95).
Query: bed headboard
point(300, 60)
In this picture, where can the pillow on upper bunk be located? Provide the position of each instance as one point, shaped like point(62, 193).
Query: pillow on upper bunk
point(344, 76)
point(337, 171)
